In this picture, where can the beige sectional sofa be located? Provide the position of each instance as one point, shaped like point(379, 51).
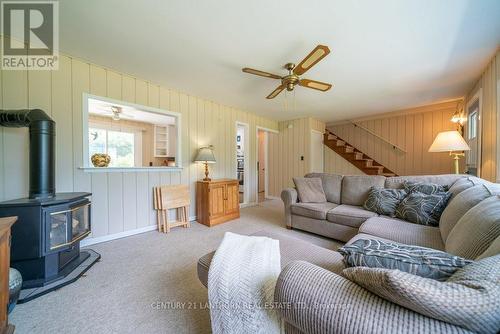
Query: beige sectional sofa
point(311, 275)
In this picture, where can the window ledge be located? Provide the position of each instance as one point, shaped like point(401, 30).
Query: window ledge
point(130, 169)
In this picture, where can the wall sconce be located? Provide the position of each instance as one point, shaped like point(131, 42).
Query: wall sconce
point(458, 117)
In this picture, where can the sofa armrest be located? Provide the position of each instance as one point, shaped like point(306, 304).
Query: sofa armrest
point(315, 300)
point(289, 197)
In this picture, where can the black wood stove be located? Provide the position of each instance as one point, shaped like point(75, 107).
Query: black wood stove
point(45, 245)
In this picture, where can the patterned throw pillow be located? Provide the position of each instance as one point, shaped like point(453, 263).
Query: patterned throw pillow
point(420, 208)
point(416, 260)
point(426, 188)
point(384, 201)
point(470, 298)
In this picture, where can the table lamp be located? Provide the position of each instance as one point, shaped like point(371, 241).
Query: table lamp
point(450, 141)
point(206, 155)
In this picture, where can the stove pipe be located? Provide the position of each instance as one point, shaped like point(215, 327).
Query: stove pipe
point(42, 154)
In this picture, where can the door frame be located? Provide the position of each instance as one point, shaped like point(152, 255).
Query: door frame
point(246, 164)
point(266, 156)
point(478, 96)
point(311, 148)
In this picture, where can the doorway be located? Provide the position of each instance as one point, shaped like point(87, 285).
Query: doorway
point(473, 135)
point(242, 167)
point(317, 152)
point(261, 165)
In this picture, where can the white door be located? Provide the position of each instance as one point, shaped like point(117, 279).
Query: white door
point(317, 149)
point(262, 161)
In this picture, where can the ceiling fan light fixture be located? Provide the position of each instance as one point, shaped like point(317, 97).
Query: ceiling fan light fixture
point(292, 79)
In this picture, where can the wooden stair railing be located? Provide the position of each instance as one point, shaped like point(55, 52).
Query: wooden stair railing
point(357, 158)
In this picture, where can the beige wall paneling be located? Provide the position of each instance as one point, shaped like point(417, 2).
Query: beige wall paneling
point(63, 116)
point(498, 115)
point(16, 141)
point(142, 198)
point(141, 92)
point(80, 83)
point(130, 196)
point(128, 89)
point(413, 129)
point(100, 207)
point(179, 103)
point(489, 82)
point(292, 142)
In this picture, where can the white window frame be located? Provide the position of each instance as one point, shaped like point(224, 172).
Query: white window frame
point(85, 120)
point(137, 141)
point(476, 97)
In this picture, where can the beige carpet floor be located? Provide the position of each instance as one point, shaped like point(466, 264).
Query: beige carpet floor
point(146, 283)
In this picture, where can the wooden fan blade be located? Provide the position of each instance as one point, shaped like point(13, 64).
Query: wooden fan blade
point(320, 52)
point(261, 73)
point(275, 92)
point(322, 86)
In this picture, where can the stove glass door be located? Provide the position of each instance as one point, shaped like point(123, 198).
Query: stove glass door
point(80, 222)
point(58, 234)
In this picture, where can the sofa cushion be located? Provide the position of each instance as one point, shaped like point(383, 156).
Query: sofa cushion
point(476, 230)
point(291, 249)
point(463, 184)
point(421, 208)
point(403, 232)
point(493, 250)
point(361, 236)
point(396, 182)
point(460, 204)
point(421, 261)
point(332, 184)
point(470, 298)
point(312, 210)
point(349, 215)
point(355, 188)
point(424, 187)
point(384, 201)
point(310, 190)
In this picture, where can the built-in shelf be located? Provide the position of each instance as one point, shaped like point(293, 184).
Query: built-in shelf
point(160, 141)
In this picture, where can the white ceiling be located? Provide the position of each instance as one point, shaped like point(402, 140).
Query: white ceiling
point(386, 55)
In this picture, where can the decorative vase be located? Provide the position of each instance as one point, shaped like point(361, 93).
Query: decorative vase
point(15, 283)
point(100, 160)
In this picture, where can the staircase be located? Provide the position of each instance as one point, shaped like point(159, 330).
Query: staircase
point(360, 160)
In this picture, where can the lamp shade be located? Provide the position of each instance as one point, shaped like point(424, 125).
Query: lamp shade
point(448, 141)
point(205, 154)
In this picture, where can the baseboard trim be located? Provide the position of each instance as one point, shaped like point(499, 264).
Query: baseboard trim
point(273, 197)
point(124, 234)
point(246, 205)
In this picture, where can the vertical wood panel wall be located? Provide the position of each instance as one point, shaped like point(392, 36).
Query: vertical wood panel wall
point(121, 201)
point(287, 148)
point(413, 129)
point(490, 119)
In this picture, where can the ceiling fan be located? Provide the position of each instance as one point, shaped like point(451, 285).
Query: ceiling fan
point(292, 79)
point(115, 112)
